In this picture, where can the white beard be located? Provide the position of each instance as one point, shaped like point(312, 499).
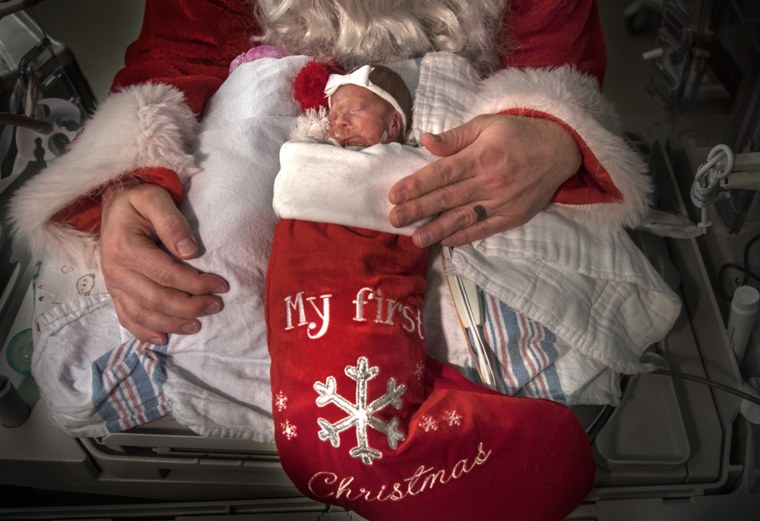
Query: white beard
point(356, 32)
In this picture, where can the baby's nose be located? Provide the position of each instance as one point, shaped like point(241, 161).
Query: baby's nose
point(340, 118)
point(341, 125)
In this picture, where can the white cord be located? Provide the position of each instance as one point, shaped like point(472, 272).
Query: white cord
point(705, 188)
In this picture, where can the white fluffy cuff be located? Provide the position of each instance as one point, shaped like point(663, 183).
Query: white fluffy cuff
point(146, 125)
point(575, 100)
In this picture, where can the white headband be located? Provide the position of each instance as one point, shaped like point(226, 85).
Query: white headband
point(360, 77)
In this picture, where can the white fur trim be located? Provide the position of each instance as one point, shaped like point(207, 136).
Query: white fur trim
point(146, 125)
point(312, 125)
point(575, 99)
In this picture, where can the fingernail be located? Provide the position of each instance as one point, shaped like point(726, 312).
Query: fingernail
point(400, 217)
point(186, 247)
point(224, 288)
point(156, 341)
point(424, 239)
point(437, 138)
point(398, 197)
point(190, 328)
point(214, 307)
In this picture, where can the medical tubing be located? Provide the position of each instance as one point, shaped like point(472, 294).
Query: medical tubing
point(737, 267)
point(706, 183)
point(746, 272)
point(747, 247)
point(705, 381)
point(17, 120)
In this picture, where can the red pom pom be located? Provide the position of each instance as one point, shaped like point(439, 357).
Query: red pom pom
point(309, 85)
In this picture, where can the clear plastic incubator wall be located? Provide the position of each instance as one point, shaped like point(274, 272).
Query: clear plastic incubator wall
point(682, 444)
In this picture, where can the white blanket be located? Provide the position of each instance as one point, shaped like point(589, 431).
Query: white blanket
point(217, 381)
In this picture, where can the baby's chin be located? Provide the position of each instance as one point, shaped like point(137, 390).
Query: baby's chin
point(355, 141)
point(360, 142)
point(367, 138)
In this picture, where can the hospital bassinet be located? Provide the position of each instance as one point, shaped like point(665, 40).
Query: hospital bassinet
point(673, 449)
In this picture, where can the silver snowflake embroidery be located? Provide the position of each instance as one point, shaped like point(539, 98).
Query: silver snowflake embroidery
point(360, 414)
point(419, 370)
point(453, 418)
point(428, 423)
point(281, 401)
point(289, 430)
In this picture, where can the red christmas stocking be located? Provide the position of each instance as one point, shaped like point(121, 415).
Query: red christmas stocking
point(365, 421)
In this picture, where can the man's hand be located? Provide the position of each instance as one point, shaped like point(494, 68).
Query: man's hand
point(496, 173)
point(152, 291)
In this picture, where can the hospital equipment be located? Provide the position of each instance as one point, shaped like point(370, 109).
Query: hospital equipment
point(741, 318)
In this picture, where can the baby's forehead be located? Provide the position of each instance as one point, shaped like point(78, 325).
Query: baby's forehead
point(355, 92)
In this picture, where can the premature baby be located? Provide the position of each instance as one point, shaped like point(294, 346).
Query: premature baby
point(369, 106)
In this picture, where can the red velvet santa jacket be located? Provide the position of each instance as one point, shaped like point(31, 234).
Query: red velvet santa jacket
point(146, 129)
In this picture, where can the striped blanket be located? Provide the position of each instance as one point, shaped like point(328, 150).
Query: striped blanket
point(128, 381)
point(524, 351)
point(127, 385)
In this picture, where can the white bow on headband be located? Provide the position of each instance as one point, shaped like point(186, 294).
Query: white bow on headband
point(360, 78)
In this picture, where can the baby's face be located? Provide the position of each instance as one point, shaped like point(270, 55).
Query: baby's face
point(359, 117)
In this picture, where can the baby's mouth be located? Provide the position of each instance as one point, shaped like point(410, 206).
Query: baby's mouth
point(355, 141)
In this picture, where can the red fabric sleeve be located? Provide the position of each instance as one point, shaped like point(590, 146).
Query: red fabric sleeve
point(84, 213)
point(555, 32)
point(188, 44)
point(559, 32)
point(184, 43)
point(592, 183)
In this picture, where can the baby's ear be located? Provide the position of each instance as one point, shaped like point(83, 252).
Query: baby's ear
point(396, 130)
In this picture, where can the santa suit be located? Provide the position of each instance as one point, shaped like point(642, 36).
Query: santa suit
point(504, 465)
point(182, 56)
